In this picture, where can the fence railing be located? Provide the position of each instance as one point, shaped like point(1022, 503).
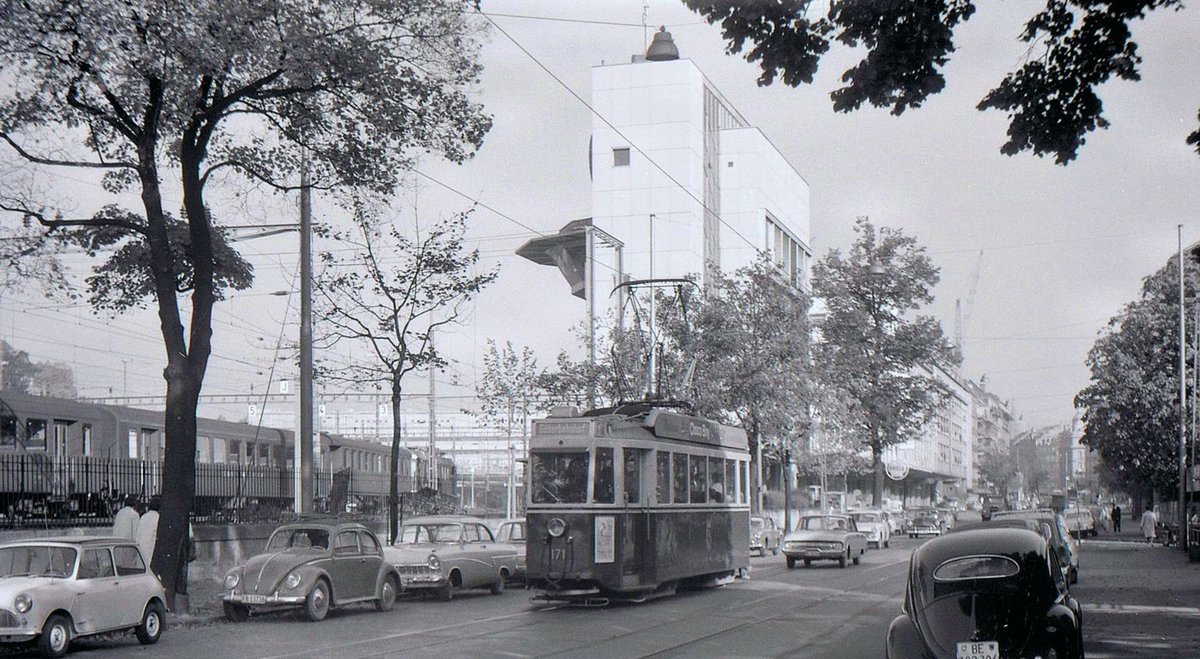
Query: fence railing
point(41, 490)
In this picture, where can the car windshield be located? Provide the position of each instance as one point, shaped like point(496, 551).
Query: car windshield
point(926, 519)
point(823, 523)
point(559, 476)
point(411, 534)
point(299, 538)
point(37, 561)
point(756, 523)
point(866, 517)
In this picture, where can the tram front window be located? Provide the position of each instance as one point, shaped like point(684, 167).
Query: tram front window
point(604, 476)
point(559, 477)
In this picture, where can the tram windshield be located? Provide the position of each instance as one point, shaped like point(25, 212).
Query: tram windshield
point(559, 476)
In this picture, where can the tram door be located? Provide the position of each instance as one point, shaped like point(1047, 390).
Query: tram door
point(637, 556)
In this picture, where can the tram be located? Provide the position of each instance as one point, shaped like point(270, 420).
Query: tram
point(632, 502)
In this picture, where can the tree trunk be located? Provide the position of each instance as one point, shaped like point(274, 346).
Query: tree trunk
point(179, 483)
point(877, 484)
point(394, 467)
point(787, 493)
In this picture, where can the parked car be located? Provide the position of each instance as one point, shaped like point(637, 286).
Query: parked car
point(312, 565)
point(1065, 547)
point(988, 592)
point(1080, 522)
point(511, 532)
point(875, 525)
point(824, 537)
point(444, 554)
point(924, 523)
point(765, 535)
point(60, 589)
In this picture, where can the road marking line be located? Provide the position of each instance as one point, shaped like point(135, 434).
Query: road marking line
point(1185, 611)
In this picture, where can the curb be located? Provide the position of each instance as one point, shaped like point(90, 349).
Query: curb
point(188, 621)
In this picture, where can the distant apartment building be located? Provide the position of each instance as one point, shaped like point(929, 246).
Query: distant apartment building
point(939, 460)
point(994, 423)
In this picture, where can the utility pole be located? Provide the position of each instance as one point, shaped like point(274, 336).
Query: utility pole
point(1183, 516)
point(433, 461)
point(304, 439)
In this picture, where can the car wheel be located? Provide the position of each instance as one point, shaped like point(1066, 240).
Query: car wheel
point(235, 612)
point(858, 559)
point(151, 628)
point(842, 560)
point(775, 550)
point(498, 587)
point(888, 543)
point(446, 593)
point(808, 562)
point(387, 595)
point(316, 605)
point(56, 636)
point(792, 563)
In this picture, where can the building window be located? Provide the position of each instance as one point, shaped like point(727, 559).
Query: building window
point(8, 431)
point(787, 253)
point(87, 439)
point(61, 445)
point(133, 444)
point(148, 443)
point(621, 157)
point(35, 434)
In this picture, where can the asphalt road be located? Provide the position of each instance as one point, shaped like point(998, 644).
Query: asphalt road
point(1138, 602)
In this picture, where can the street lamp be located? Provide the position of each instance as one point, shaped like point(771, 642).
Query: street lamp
point(877, 270)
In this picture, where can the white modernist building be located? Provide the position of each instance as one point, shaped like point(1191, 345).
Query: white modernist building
point(943, 452)
point(676, 166)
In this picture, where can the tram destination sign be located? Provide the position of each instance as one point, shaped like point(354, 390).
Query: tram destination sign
point(681, 426)
point(544, 428)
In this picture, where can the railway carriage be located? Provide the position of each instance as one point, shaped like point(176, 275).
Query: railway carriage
point(630, 503)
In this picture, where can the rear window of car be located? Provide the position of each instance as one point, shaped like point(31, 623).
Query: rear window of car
point(128, 560)
point(976, 567)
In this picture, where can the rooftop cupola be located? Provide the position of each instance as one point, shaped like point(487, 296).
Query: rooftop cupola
point(662, 49)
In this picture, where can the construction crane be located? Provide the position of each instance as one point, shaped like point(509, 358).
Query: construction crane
point(962, 310)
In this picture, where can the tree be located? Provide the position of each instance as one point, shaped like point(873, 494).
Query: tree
point(1075, 46)
point(998, 468)
point(1131, 406)
point(21, 374)
point(385, 293)
point(217, 90)
point(751, 341)
point(507, 392)
point(883, 359)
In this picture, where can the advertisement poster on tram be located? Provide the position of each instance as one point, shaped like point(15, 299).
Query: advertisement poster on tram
point(605, 539)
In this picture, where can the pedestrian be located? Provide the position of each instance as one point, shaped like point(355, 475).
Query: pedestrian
point(147, 531)
point(1116, 518)
point(125, 522)
point(182, 603)
point(1149, 523)
point(1102, 513)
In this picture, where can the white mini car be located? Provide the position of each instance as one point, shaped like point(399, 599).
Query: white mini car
point(53, 590)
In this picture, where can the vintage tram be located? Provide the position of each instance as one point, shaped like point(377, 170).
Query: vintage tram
point(630, 503)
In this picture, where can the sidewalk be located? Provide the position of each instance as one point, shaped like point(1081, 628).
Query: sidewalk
point(1130, 532)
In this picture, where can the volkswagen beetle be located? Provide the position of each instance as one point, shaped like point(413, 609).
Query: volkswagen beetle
point(53, 590)
point(312, 565)
point(987, 593)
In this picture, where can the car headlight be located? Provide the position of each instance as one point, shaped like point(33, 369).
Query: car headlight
point(23, 603)
point(231, 580)
point(434, 562)
point(556, 527)
point(292, 581)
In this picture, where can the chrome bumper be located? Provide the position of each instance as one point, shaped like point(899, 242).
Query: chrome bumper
point(262, 600)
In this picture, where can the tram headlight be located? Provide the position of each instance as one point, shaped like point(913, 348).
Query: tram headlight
point(556, 527)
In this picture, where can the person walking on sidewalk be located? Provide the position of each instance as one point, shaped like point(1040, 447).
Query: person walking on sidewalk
point(1116, 518)
point(1149, 523)
point(125, 522)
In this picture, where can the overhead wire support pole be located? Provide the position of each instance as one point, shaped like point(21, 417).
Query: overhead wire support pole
point(304, 439)
point(1183, 517)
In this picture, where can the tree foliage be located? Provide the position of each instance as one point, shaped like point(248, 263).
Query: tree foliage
point(382, 294)
point(1052, 98)
point(1131, 406)
point(249, 89)
point(23, 375)
point(509, 386)
point(874, 348)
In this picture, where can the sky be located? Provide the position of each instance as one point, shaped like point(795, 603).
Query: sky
point(1040, 255)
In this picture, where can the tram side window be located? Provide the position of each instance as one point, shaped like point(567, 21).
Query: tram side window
point(744, 490)
point(731, 481)
point(716, 480)
point(559, 477)
point(602, 491)
point(680, 479)
point(663, 483)
point(633, 475)
point(698, 479)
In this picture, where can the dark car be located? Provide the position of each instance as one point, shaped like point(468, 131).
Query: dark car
point(991, 592)
point(1065, 546)
point(312, 565)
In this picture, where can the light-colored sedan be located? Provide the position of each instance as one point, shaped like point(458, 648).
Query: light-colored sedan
point(53, 590)
point(875, 525)
point(511, 532)
point(825, 537)
point(1080, 522)
point(443, 554)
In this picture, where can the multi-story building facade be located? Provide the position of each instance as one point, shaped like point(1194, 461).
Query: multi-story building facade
point(994, 422)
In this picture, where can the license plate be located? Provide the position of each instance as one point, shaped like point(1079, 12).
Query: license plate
point(979, 650)
point(814, 552)
point(254, 599)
